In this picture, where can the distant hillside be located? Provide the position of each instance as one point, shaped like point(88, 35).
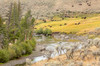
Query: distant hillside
point(42, 8)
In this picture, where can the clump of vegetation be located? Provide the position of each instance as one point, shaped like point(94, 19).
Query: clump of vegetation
point(45, 32)
point(4, 56)
point(32, 43)
point(73, 40)
point(39, 31)
point(27, 48)
point(17, 50)
point(91, 36)
point(12, 53)
point(16, 34)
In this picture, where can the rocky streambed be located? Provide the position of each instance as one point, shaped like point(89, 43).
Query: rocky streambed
point(50, 47)
point(81, 51)
point(57, 45)
point(56, 49)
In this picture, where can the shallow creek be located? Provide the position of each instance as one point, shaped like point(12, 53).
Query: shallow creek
point(54, 46)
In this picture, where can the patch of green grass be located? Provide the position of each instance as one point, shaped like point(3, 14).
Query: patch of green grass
point(1, 63)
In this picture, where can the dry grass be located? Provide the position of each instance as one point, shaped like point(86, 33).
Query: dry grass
point(62, 59)
point(73, 40)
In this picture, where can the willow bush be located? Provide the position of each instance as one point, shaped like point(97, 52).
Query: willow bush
point(4, 55)
point(45, 32)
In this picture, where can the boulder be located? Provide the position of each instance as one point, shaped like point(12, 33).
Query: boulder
point(28, 62)
point(96, 41)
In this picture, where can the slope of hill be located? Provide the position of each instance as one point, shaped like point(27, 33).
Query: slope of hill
point(73, 25)
point(42, 8)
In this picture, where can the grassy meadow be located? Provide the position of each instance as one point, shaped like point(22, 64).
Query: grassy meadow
point(68, 25)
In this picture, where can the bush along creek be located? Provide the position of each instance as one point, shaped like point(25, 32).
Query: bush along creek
point(46, 32)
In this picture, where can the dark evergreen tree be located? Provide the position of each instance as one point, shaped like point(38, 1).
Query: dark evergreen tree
point(17, 28)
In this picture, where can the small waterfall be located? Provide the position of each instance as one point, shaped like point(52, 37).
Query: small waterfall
point(40, 58)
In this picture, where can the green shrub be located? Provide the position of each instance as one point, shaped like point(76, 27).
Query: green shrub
point(22, 49)
point(28, 48)
point(32, 43)
point(47, 32)
point(17, 50)
point(12, 53)
point(4, 56)
point(39, 31)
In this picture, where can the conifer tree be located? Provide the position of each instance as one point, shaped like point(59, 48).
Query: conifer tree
point(17, 27)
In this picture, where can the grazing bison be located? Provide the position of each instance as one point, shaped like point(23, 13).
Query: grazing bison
point(57, 9)
point(89, 4)
point(35, 28)
point(44, 20)
point(84, 17)
point(60, 24)
point(62, 18)
point(77, 23)
point(49, 26)
point(65, 23)
point(72, 5)
point(76, 16)
point(80, 4)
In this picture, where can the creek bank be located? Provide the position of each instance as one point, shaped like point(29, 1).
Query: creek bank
point(70, 36)
point(22, 59)
point(64, 37)
point(79, 54)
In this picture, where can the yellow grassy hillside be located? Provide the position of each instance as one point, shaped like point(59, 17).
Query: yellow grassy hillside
point(68, 25)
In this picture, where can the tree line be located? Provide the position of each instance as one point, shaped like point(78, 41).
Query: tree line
point(16, 33)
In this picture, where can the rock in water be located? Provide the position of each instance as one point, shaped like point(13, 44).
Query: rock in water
point(28, 62)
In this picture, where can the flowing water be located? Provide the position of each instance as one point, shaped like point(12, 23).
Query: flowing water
point(53, 45)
